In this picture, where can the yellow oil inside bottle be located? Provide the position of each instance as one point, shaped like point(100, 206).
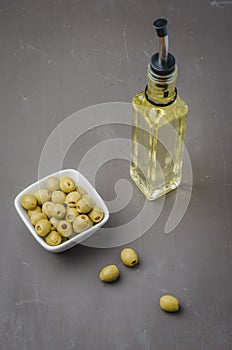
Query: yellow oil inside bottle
point(158, 133)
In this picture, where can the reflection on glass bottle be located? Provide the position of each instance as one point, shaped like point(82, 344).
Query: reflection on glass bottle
point(159, 125)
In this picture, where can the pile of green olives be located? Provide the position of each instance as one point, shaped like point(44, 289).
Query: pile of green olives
point(61, 210)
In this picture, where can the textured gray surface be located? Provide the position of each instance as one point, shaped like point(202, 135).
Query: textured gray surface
point(56, 58)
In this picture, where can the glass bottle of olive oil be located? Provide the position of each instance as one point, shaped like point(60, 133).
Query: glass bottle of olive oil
point(159, 124)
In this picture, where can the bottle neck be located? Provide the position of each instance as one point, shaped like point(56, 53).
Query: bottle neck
point(161, 90)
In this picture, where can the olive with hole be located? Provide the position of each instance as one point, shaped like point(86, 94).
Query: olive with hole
point(52, 184)
point(37, 217)
point(28, 201)
point(72, 198)
point(81, 223)
point(58, 211)
point(67, 184)
point(64, 228)
point(85, 204)
point(96, 214)
point(53, 238)
point(109, 273)
point(71, 214)
point(43, 227)
point(30, 212)
point(169, 303)
point(54, 221)
point(129, 257)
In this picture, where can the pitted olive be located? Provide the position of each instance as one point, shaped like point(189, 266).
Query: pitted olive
point(109, 273)
point(64, 228)
point(30, 212)
point(129, 257)
point(67, 184)
point(28, 201)
point(43, 227)
point(42, 196)
point(53, 238)
point(37, 217)
point(169, 303)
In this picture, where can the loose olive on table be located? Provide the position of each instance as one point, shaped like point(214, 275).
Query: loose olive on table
point(169, 303)
point(109, 273)
point(129, 257)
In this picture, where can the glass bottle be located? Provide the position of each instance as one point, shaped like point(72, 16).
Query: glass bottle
point(159, 125)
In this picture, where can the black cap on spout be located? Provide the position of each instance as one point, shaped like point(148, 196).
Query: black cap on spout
point(162, 63)
point(161, 26)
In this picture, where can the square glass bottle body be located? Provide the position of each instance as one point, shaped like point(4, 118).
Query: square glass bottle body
point(157, 143)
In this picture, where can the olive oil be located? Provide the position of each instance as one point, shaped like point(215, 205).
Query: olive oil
point(159, 125)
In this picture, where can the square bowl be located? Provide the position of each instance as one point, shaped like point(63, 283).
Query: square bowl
point(80, 180)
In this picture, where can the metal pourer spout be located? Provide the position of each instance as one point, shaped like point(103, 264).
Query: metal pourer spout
point(161, 26)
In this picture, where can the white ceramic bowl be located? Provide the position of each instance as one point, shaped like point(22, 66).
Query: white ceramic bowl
point(80, 180)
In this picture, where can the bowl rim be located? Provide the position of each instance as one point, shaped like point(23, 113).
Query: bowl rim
point(72, 241)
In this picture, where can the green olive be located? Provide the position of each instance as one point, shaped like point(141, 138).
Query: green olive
point(81, 190)
point(64, 228)
point(58, 211)
point(47, 208)
point(53, 238)
point(109, 273)
point(28, 201)
point(52, 184)
point(72, 198)
point(129, 257)
point(81, 223)
point(43, 227)
point(96, 214)
point(54, 221)
point(30, 212)
point(42, 196)
point(169, 303)
point(72, 213)
point(58, 197)
point(85, 204)
point(67, 184)
point(37, 217)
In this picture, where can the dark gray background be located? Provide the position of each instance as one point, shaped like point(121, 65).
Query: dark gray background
point(58, 57)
